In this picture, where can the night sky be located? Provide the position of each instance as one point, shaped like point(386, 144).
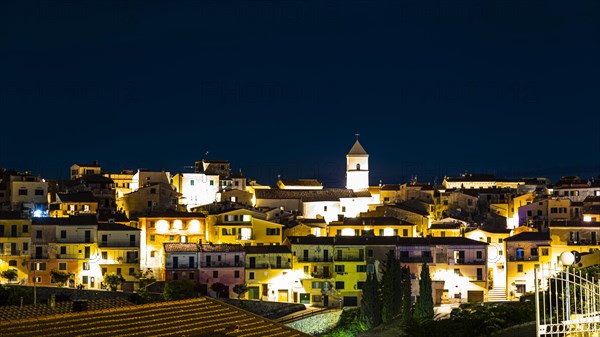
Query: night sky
point(280, 87)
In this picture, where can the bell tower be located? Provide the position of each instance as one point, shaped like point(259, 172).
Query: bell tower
point(357, 167)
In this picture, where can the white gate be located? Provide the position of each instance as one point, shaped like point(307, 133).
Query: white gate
point(567, 303)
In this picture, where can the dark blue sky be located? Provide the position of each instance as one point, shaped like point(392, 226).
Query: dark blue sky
point(434, 87)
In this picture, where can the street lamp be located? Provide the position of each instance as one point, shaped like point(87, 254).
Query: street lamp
point(567, 259)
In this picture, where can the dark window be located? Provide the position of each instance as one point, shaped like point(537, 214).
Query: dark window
point(361, 268)
point(23, 192)
point(479, 255)
point(62, 266)
point(38, 234)
point(215, 274)
point(360, 285)
point(339, 285)
point(236, 274)
point(39, 192)
point(86, 266)
point(25, 228)
point(520, 268)
point(63, 234)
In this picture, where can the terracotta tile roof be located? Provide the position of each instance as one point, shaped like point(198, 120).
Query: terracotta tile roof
point(221, 248)
point(300, 182)
point(10, 215)
point(14, 312)
point(181, 247)
point(382, 240)
point(446, 225)
point(78, 220)
point(326, 194)
point(195, 317)
point(112, 226)
point(174, 214)
point(390, 187)
point(573, 223)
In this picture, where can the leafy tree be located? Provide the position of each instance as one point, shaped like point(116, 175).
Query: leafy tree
point(240, 289)
point(406, 287)
point(219, 288)
point(112, 280)
point(145, 278)
point(9, 274)
point(424, 305)
point(370, 305)
point(61, 277)
point(179, 290)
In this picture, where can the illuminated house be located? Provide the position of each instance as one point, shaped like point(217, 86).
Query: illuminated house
point(102, 188)
point(181, 261)
point(476, 181)
point(579, 236)
point(24, 192)
point(243, 226)
point(496, 261)
point(390, 193)
point(65, 244)
point(419, 217)
point(524, 252)
point(576, 189)
point(269, 274)
point(313, 266)
point(327, 203)
point(15, 241)
point(304, 227)
point(167, 227)
point(539, 213)
point(149, 199)
point(119, 249)
point(458, 266)
point(122, 180)
point(446, 228)
point(221, 264)
point(80, 170)
point(379, 226)
point(78, 203)
point(333, 269)
point(591, 209)
point(299, 184)
point(196, 188)
point(221, 168)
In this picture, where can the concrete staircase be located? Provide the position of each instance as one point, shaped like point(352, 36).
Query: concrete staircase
point(497, 295)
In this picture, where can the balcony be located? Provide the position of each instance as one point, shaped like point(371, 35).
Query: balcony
point(258, 266)
point(182, 266)
point(522, 258)
point(69, 256)
point(314, 259)
point(320, 274)
point(222, 265)
point(123, 244)
point(75, 240)
point(583, 242)
point(350, 258)
point(470, 262)
point(285, 265)
point(245, 237)
point(8, 252)
point(43, 256)
point(416, 259)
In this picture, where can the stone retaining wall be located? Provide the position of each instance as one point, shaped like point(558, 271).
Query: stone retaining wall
point(318, 323)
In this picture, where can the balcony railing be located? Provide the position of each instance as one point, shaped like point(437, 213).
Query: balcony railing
point(122, 244)
point(350, 258)
point(245, 237)
point(8, 252)
point(285, 265)
point(315, 259)
point(69, 256)
point(583, 242)
point(473, 262)
point(320, 274)
point(39, 256)
point(75, 240)
point(182, 266)
point(523, 258)
point(258, 266)
point(420, 259)
point(222, 264)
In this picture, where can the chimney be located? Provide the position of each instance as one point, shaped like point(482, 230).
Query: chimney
point(52, 300)
point(95, 162)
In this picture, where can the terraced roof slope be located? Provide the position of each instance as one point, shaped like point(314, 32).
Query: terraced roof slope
point(195, 317)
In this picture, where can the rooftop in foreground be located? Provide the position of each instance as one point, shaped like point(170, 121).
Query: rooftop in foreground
point(196, 317)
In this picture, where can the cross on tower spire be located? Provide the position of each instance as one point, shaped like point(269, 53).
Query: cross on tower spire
point(357, 134)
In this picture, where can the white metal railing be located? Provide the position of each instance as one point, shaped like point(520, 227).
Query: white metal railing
point(567, 303)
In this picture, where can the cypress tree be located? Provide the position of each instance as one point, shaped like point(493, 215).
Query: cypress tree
point(370, 306)
point(406, 295)
point(424, 305)
point(387, 290)
point(397, 294)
